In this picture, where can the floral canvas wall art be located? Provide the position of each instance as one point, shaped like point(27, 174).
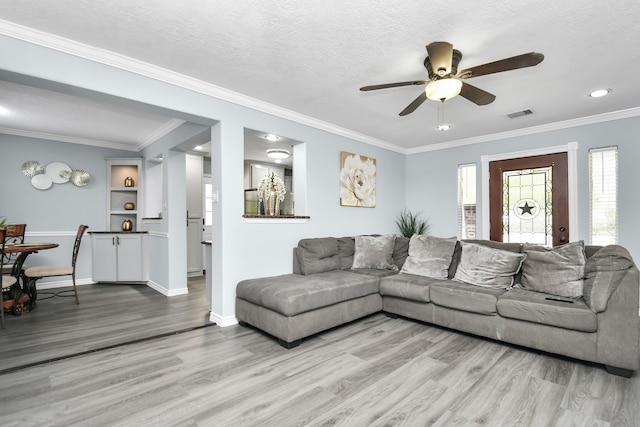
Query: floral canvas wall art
point(357, 180)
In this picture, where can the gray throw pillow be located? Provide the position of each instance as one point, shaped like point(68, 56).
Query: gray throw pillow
point(484, 266)
point(374, 252)
point(318, 255)
point(556, 271)
point(429, 256)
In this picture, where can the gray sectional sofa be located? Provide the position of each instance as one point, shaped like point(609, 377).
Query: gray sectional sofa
point(577, 301)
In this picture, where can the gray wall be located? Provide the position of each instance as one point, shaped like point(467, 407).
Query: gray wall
point(56, 213)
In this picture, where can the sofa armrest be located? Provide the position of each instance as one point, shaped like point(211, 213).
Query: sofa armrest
point(618, 336)
point(604, 271)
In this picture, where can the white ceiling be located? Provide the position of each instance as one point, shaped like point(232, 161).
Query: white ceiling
point(309, 59)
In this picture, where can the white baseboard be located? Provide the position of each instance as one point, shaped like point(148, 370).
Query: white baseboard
point(222, 321)
point(62, 284)
point(167, 292)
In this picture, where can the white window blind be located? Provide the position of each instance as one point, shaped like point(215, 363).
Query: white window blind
point(603, 195)
point(467, 201)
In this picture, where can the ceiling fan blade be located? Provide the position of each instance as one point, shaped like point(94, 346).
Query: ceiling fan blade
point(440, 57)
point(415, 104)
point(521, 61)
point(476, 95)
point(388, 85)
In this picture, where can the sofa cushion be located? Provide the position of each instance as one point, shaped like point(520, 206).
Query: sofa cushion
point(408, 286)
point(318, 255)
point(292, 294)
point(400, 251)
point(485, 266)
point(505, 246)
point(374, 252)
point(603, 272)
point(557, 271)
point(429, 256)
point(347, 246)
point(466, 297)
point(535, 307)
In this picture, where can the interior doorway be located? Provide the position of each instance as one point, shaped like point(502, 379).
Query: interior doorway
point(529, 199)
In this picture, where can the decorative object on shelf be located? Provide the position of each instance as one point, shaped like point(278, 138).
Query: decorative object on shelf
point(127, 225)
point(357, 180)
point(129, 206)
point(271, 191)
point(43, 177)
point(410, 224)
point(128, 182)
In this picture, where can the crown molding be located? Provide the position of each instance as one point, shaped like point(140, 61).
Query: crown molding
point(582, 121)
point(150, 139)
point(65, 138)
point(160, 132)
point(125, 63)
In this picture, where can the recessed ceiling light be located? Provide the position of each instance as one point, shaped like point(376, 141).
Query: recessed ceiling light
point(198, 147)
point(271, 137)
point(277, 153)
point(443, 127)
point(4, 110)
point(599, 93)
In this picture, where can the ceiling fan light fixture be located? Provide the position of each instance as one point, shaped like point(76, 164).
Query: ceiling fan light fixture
point(277, 153)
point(443, 89)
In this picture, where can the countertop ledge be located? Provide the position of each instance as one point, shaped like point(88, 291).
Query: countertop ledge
point(117, 232)
point(281, 219)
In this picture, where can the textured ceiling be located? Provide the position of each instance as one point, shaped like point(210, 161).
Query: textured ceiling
point(311, 57)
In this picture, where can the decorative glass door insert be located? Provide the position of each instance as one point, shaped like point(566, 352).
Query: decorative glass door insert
point(527, 206)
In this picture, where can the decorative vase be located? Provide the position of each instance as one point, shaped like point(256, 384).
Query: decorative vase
point(272, 204)
point(129, 206)
point(128, 182)
point(127, 225)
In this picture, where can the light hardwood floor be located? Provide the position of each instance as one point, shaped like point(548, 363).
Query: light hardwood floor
point(376, 371)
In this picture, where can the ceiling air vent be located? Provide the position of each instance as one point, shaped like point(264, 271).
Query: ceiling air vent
point(519, 114)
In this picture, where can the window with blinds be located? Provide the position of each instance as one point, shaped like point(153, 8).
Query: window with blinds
point(467, 201)
point(603, 195)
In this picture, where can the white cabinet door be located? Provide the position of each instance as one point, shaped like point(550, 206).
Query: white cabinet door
point(104, 261)
point(118, 257)
point(130, 265)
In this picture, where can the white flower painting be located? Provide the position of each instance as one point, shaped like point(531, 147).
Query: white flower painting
point(357, 180)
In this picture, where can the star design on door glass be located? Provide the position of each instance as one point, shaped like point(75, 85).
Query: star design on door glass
point(526, 209)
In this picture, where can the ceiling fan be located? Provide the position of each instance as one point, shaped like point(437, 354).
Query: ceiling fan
point(445, 82)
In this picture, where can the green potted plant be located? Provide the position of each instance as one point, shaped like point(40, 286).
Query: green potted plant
point(410, 223)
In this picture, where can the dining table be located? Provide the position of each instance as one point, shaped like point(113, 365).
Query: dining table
point(23, 295)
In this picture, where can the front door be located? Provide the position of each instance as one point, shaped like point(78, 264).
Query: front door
point(529, 200)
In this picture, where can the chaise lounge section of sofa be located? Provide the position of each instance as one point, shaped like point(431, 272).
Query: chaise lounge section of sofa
point(577, 301)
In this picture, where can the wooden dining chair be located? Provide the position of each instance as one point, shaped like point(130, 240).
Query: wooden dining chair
point(14, 233)
point(35, 273)
point(7, 280)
